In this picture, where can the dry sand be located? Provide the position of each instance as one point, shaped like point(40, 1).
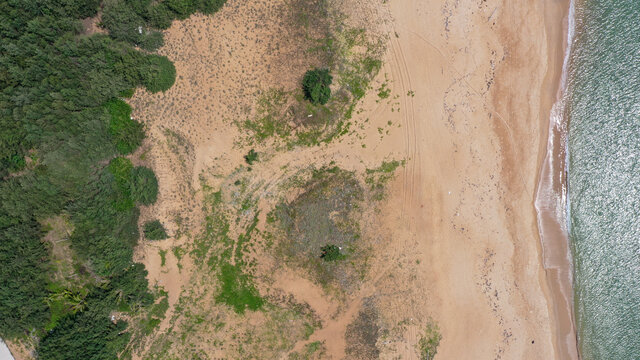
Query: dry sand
point(484, 74)
point(472, 84)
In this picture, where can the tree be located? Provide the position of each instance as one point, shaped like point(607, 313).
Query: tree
point(122, 22)
point(315, 85)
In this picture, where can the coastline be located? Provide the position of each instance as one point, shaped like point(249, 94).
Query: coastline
point(551, 193)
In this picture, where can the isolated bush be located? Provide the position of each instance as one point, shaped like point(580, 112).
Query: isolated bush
point(158, 74)
point(315, 85)
point(251, 157)
point(144, 185)
point(331, 253)
point(153, 230)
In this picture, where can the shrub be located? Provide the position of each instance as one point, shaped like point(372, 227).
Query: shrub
point(127, 93)
point(144, 185)
point(127, 134)
point(153, 230)
point(251, 157)
point(210, 6)
point(315, 85)
point(121, 168)
point(331, 253)
point(428, 344)
point(121, 22)
point(158, 74)
point(151, 41)
point(160, 16)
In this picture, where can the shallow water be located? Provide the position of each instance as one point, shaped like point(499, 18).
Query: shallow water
point(603, 108)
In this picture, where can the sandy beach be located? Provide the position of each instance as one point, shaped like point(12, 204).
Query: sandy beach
point(456, 242)
point(485, 79)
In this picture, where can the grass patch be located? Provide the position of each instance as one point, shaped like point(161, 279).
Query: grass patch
point(312, 351)
point(429, 341)
point(236, 289)
point(163, 257)
point(225, 256)
point(384, 91)
point(377, 178)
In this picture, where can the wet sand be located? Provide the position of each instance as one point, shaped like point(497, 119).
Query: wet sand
point(551, 195)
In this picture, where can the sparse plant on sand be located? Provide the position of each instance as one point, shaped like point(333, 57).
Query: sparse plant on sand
point(428, 344)
point(251, 157)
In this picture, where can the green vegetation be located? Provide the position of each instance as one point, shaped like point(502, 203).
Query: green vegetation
point(331, 253)
point(428, 343)
point(62, 127)
point(236, 289)
point(311, 351)
point(160, 74)
point(144, 185)
point(315, 85)
point(153, 230)
point(163, 257)
point(251, 157)
point(126, 133)
point(384, 91)
point(377, 178)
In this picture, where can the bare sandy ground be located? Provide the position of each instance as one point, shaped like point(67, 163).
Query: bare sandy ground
point(483, 73)
point(469, 112)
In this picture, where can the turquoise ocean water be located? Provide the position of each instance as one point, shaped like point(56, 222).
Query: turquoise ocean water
point(603, 108)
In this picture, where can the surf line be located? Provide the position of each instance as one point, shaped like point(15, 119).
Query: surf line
point(551, 204)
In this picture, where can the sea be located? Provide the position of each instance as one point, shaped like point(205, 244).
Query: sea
point(602, 106)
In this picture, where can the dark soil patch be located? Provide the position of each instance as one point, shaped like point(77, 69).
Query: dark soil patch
point(324, 214)
point(362, 334)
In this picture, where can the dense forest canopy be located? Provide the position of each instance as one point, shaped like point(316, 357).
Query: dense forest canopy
point(64, 134)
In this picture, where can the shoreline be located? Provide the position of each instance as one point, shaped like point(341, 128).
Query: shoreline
point(551, 191)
